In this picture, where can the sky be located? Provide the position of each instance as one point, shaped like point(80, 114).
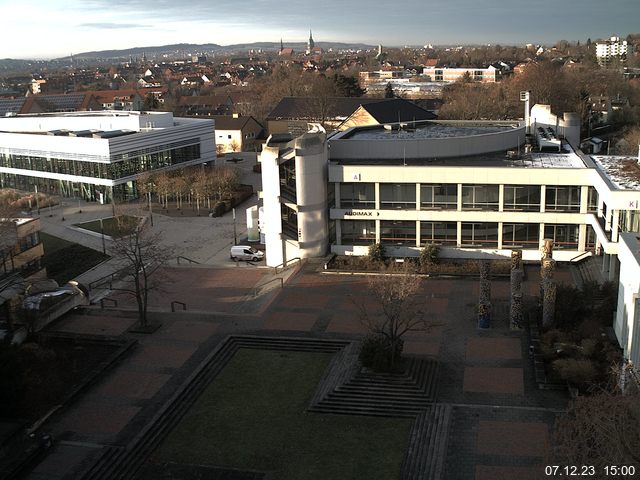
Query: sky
point(40, 29)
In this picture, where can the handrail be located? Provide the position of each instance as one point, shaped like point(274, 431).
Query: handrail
point(187, 259)
point(256, 289)
point(176, 302)
point(111, 276)
point(574, 259)
point(284, 264)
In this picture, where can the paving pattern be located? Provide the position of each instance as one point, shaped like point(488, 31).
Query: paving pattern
point(497, 423)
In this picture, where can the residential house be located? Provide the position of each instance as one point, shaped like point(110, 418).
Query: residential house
point(235, 133)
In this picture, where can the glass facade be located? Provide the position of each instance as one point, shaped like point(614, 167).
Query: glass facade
point(287, 171)
point(121, 165)
point(520, 235)
point(522, 198)
point(562, 199)
point(480, 197)
point(480, 234)
point(565, 237)
point(440, 233)
point(358, 232)
point(357, 195)
point(398, 196)
point(439, 197)
point(399, 233)
point(289, 221)
point(629, 221)
point(592, 201)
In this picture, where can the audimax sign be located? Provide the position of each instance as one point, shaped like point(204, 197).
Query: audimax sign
point(361, 213)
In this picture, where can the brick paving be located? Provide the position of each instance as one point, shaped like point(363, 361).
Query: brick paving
point(500, 422)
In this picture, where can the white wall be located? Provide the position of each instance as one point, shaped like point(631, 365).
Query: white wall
point(627, 323)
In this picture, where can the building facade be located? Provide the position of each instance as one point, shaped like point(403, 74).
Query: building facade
point(21, 250)
point(627, 322)
point(612, 49)
point(98, 155)
point(477, 189)
point(448, 75)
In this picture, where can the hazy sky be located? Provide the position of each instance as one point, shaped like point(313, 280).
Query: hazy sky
point(55, 28)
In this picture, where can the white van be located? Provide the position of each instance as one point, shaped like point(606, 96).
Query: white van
point(245, 252)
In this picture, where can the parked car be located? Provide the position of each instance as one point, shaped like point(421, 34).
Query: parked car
point(245, 252)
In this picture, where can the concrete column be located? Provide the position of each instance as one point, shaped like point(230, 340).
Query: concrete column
point(541, 237)
point(607, 220)
point(543, 197)
point(459, 201)
point(376, 189)
point(582, 238)
point(377, 230)
point(600, 207)
point(418, 233)
point(338, 232)
point(459, 234)
point(613, 267)
point(584, 199)
point(614, 225)
point(500, 235)
point(500, 201)
point(418, 196)
point(337, 194)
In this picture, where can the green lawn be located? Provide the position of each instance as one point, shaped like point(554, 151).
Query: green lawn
point(66, 260)
point(113, 226)
point(253, 416)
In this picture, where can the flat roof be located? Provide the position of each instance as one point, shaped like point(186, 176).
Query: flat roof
point(566, 159)
point(426, 130)
point(623, 171)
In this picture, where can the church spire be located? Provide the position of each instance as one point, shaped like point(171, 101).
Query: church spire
point(310, 43)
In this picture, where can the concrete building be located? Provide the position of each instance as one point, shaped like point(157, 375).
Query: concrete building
point(474, 188)
point(612, 49)
point(98, 155)
point(444, 74)
point(627, 322)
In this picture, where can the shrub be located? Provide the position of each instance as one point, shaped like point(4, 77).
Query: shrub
point(577, 372)
point(377, 252)
point(375, 352)
point(429, 254)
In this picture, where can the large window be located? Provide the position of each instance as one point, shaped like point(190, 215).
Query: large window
point(480, 197)
point(629, 221)
point(563, 236)
point(287, 173)
point(440, 233)
point(522, 198)
point(398, 196)
point(358, 232)
point(480, 235)
point(592, 201)
point(520, 235)
point(562, 199)
point(357, 195)
point(398, 233)
point(289, 221)
point(441, 197)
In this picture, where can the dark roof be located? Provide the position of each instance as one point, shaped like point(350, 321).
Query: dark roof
point(304, 108)
point(228, 122)
point(11, 105)
point(397, 110)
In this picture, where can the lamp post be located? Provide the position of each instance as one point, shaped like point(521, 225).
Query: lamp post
point(235, 237)
point(150, 209)
point(104, 249)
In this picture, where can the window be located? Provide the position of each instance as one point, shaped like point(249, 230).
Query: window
point(358, 232)
point(479, 235)
point(629, 221)
point(287, 171)
point(289, 221)
point(480, 197)
point(562, 199)
point(357, 195)
point(229, 137)
point(563, 236)
point(521, 235)
point(522, 198)
point(439, 197)
point(398, 233)
point(398, 196)
point(440, 233)
point(592, 201)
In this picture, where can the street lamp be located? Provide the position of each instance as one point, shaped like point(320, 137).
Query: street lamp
point(235, 237)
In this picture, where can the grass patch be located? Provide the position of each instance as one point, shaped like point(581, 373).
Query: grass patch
point(66, 260)
point(115, 227)
point(253, 416)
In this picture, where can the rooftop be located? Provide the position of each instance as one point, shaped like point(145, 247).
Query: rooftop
point(428, 130)
point(624, 172)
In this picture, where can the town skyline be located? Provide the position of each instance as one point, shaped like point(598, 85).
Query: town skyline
point(58, 30)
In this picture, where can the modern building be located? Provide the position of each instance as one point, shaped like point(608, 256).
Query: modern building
point(477, 189)
point(627, 322)
point(98, 155)
point(612, 49)
point(443, 74)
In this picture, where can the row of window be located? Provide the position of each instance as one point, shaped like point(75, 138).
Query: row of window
point(526, 198)
point(514, 235)
point(112, 171)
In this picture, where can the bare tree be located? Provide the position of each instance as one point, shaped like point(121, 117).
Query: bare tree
point(400, 308)
point(142, 254)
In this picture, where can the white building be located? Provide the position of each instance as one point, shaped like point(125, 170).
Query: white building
point(613, 48)
point(98, 155)
point(627, 323)
point(474, 188)
point(444, 74)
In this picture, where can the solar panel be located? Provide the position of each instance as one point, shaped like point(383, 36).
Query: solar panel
point(13, 105)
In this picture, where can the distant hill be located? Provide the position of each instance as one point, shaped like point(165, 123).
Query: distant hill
point(208, 48)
